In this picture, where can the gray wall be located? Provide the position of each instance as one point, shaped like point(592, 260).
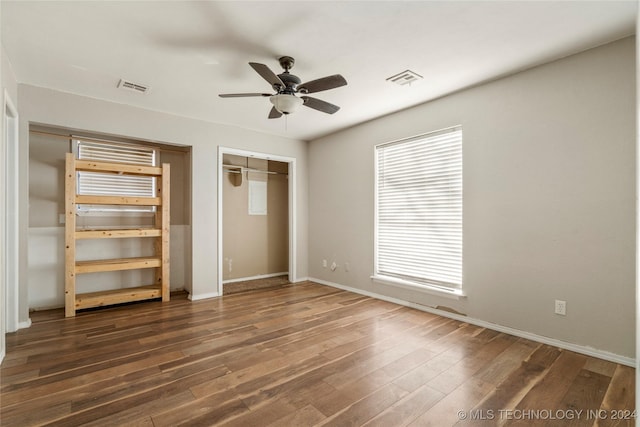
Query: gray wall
point(549, 197)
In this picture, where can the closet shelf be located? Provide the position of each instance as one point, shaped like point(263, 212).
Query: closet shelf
point(118, 233)
point(116, 296)
point(117, 264)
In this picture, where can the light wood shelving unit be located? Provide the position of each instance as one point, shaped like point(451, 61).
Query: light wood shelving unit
point(75, 300)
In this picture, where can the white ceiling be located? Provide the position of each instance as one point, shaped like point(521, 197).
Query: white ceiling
point(189, 52)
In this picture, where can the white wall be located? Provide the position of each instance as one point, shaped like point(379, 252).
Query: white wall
point(50, 107)
point(3, 213)
point(8, 87)
point(637, 207)
point(549, 197)
point(46, 264)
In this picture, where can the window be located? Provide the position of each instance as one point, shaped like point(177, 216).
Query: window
point(419, 211)
point(108, 184)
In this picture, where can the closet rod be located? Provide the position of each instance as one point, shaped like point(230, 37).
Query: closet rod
point(245, 169)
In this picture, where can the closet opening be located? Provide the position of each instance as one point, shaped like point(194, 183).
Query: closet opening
point(256, 214)
point(48, 148)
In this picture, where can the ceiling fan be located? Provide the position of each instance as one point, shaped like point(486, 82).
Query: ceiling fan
point(286, 86)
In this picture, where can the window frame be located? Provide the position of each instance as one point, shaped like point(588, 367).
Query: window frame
point(425, 285)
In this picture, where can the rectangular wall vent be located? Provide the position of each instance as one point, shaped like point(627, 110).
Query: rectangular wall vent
point(405, 78)
point(136, 87)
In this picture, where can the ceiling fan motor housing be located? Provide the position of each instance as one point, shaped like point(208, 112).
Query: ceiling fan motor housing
point(290, 81)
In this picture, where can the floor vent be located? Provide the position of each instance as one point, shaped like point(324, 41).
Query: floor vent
point(136, 87)
point(405, 78)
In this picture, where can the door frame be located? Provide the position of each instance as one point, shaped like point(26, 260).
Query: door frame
point(10, 189)
point(292, 208)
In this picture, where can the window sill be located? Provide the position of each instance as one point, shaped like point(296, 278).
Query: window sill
point(432, 290)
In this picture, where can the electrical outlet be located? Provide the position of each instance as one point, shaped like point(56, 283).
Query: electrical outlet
point(324, 263)
point(561, 307)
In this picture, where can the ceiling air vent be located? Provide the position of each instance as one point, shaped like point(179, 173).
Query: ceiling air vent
point(136, 87)
point(405, 78)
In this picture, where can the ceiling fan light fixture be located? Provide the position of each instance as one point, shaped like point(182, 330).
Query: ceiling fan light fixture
point(286, 104)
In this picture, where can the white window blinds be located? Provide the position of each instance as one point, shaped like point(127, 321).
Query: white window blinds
point(108, 184)
point(419, 210)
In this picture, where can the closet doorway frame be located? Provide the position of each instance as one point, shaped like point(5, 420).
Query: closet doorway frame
point(9, 233)
point(292, 208)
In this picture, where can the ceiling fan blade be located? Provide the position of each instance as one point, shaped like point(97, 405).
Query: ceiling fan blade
point(320, 105)
point(274, 114)
point(325, 83)
point(242, 95)
point(266, 73)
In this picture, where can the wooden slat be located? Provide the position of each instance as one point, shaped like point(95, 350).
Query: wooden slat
point(69, 236)
point(127, 168)
point(116, 296)
point(118, 200)
point(120, 233)
point(165, 221)
point(117, 264)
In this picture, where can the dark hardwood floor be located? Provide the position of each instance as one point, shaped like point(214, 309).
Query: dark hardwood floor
point(252, 285)
point(298, 355)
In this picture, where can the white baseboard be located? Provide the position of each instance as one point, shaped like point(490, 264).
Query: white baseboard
point(300, 279)
point(198, 297)
point(260, 276)
point(589, 351)
point(25, 324)
point(2, 354)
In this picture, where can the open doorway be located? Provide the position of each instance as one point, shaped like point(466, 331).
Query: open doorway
point(10, 224)
point(256, 212)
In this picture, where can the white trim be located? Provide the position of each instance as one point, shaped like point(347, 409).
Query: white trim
point(2, 354)
point(426, 289)
point(199, 297)
point(25, 324)
point(637, 205)
point(292, 207)
point(10, 227)
point(258, 277)
point(589, 351)
point(300, 280)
